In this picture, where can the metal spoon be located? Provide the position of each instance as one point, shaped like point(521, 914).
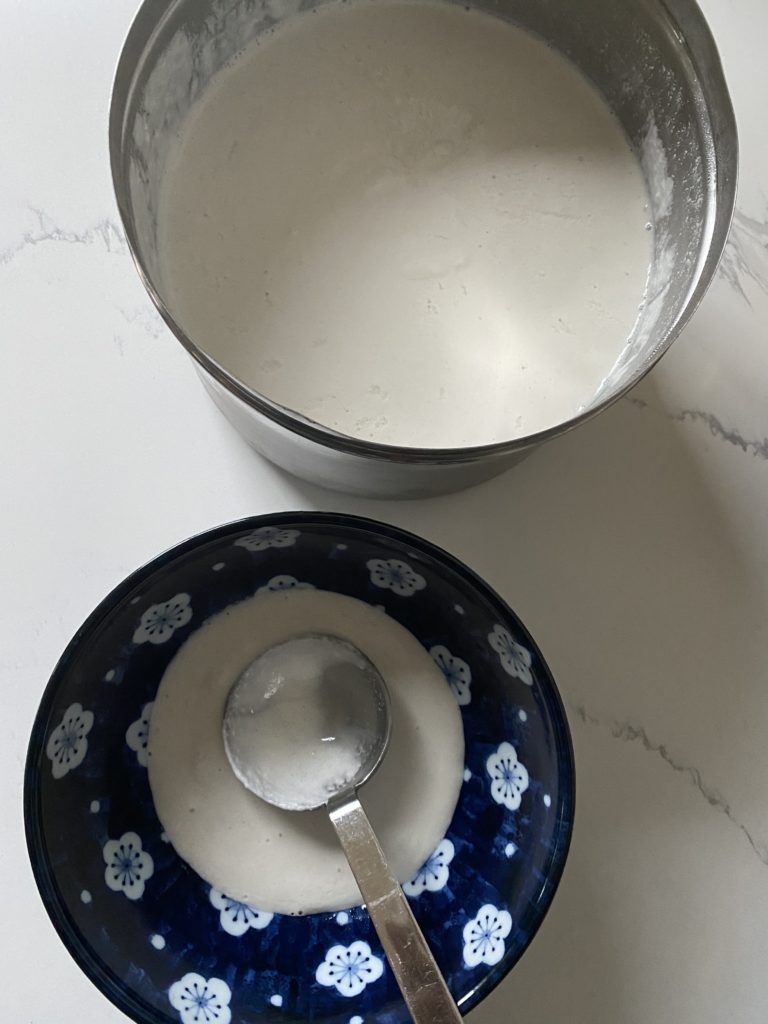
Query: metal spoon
point(306, 724)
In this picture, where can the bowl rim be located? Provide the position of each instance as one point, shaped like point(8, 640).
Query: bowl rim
point(106, 981)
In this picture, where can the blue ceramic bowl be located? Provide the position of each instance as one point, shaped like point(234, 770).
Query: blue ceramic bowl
point(149, 932)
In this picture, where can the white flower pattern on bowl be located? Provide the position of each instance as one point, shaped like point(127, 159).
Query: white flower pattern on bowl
point(349, 968)
point(457, 673)
point(395, 575)
point(484, 936)
point(433, 875)
point(284, 583)
point(509, 778)
point(67, 745)
point(201, 1000)
point(160, 621)
point(137, 734)
point(236, 917)
point(267, 537)
point(241, 943)
point(128, 865)
point(515, 659)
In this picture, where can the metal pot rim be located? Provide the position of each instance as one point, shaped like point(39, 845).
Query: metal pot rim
point(142, 28)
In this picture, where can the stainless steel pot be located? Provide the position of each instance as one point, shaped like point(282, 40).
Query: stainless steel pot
point(653, 60)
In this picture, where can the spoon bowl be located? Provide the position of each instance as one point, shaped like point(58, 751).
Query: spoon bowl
point(306, 721)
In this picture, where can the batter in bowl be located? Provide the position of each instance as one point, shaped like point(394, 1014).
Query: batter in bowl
point(285, 861)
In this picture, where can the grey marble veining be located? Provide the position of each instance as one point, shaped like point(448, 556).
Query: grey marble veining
point(754, 446)
point(106, 231)
point(631, 733)
point(730, 435)
point(746, 255)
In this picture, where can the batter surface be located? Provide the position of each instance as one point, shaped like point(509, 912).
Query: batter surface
point(410, 222)
point(287, 861)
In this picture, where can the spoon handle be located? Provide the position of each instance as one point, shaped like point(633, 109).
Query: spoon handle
point(421, 983)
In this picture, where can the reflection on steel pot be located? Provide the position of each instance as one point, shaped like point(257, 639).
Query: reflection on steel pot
point(654, 63)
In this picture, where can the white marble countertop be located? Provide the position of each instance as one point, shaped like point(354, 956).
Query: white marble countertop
point(635, 549)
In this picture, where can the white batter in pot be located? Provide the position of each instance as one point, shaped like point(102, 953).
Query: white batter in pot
point(410, 222)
